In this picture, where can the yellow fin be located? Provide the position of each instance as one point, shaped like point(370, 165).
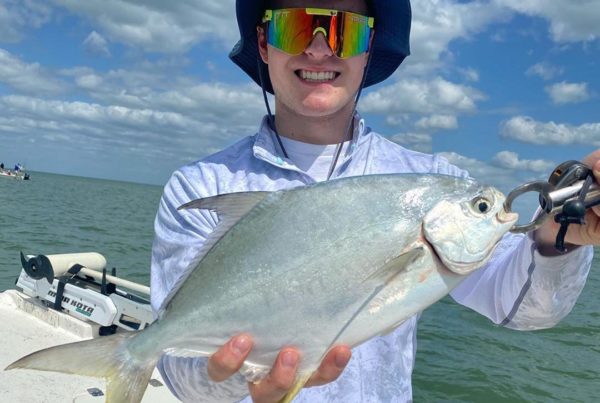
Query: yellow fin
point(293, 392)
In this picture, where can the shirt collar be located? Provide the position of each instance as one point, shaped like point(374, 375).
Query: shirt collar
point(266, 147)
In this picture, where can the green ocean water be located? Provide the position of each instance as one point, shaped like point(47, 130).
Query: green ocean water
point(461, 355)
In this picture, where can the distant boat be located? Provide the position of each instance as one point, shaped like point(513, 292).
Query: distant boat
point(18, 173)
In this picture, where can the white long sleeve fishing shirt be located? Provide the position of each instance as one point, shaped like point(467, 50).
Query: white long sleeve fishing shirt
point(519, 288)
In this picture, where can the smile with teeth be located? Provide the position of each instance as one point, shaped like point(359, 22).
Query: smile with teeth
point(317, 76)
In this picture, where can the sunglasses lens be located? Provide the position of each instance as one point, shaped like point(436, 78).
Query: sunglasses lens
point(356, 35)
point(292, 30)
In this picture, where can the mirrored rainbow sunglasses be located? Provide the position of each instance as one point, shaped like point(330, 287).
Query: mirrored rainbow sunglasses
point(292, 29)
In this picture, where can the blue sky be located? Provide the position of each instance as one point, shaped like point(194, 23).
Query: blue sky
point(132, 90)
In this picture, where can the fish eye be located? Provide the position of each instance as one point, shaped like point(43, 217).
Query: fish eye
point(482, 205)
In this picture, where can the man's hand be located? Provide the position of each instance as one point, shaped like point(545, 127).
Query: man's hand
point(229, 359)
point(588, 234)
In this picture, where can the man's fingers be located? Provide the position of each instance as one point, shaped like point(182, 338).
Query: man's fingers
point(596, 169)
point(331, 367)
point(229, 358)
point(281, 378)
point(591, 158)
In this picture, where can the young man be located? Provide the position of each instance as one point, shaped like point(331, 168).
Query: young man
point(316, 66)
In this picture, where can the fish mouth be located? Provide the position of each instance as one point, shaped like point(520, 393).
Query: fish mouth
point(506, 217)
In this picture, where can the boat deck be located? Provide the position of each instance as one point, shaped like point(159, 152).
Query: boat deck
point(28, 326)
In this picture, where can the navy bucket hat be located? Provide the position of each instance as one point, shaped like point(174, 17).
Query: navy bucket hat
point(390, 44)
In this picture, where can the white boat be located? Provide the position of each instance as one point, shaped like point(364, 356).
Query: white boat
point(62, 299)
point(19, 175)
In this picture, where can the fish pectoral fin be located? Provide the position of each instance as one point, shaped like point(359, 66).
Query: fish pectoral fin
point(397, 265)
point(298, 385)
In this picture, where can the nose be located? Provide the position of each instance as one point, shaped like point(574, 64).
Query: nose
point(319, 47)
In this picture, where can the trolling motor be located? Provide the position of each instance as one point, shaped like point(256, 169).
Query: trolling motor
point(79, 285)
point(42, 266)
point(569, 192)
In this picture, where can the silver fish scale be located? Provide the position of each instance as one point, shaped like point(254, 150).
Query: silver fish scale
point(303, 262)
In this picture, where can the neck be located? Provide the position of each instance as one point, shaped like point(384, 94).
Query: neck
point(331, 129)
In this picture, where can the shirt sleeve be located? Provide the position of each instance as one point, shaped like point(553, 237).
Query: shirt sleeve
point(179, 235)
point(188, 381)
point(519, 288)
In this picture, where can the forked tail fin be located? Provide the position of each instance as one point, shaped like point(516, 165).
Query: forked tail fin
point(106, 357)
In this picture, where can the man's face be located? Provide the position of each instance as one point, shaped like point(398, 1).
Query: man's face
point(293, 77)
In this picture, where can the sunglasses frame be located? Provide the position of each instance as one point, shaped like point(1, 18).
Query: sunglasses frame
point(268, 17)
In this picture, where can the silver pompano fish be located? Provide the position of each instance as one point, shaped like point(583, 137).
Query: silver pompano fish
point(336, 262)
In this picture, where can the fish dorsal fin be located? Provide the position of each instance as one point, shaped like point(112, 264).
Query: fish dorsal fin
point(230, 208)
point(229, 205)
